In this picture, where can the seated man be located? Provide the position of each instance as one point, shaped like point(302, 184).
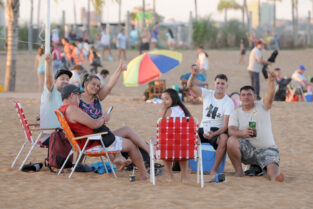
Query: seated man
point(200, 80)
point(299, 80)
point(82, 124)
point(251, 139)
point(217, 107)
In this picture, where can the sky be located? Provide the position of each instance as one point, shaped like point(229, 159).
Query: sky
point(170, 9)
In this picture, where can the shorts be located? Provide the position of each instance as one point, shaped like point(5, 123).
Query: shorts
point(103, 45)
point(115, 146)
point(243, 52)
point(41, 69)
point(261, 157)
point(145, 46)
point(212, 141)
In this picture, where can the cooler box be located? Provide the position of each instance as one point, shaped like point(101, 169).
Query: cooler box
point(308, 97)
point(208, 158)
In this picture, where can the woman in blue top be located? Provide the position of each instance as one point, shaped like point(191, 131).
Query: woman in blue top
point(95, 93)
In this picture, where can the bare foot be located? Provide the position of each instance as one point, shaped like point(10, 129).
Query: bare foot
point(280, 177)
point(238, 175)
point(121, 162)
point(213, 172)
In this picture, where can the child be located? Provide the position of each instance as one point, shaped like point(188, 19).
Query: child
point(203, 60)
point(173, 107)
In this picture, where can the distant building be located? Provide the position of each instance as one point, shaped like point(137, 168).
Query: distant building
point(266, 14)
point(94, 20)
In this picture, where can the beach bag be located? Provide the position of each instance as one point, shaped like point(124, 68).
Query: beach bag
point(107, 139)
point(59, 148)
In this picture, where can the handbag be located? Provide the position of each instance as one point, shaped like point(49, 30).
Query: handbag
point(108, 138)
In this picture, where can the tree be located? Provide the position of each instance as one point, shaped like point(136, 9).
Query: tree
point(274, 16)
point(226, 5)
point(294, 13)
point(12, 13)
point(196, 9)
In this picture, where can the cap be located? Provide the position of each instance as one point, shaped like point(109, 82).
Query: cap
point(301, 67)
point(62, 71)
point(69, 89)
point(260, 42)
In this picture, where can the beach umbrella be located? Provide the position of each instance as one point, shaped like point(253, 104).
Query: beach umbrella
point(149, 66)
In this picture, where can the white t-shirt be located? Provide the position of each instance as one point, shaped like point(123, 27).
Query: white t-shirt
point(254, 65)
point(105, 39)
point(262, 116)
point(203, 61)
point(177, 111)
point(214, 110)
point(297, 78)
point(50, 100)
point(122, 41)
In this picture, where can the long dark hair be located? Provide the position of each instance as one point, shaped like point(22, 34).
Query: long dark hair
point(171, 33)
point(176, 101)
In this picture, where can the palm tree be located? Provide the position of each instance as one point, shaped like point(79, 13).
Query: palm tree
point(226, 5)
point(196, 9)
point(294, 12)
point(274, 15)
point(12, 12)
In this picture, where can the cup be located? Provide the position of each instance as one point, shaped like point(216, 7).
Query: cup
point(206, 130)
point(252, 124)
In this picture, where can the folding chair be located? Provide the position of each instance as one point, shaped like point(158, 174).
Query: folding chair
point(75, 147)
point(28, 134)
point(176, 139)
point(294, 88)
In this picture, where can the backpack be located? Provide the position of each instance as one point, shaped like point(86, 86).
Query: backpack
point(59, 148)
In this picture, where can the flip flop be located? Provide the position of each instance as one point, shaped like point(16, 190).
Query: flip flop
point(219, 177)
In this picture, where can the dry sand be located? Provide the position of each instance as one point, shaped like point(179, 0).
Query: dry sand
point(292, 127)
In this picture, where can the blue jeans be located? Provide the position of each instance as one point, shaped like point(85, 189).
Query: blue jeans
point(255, 82)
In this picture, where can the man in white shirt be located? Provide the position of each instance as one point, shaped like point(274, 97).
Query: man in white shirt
point(251, 139)
point(256, 63)
point(217, 107)
point(51, 96)
point(299, 80)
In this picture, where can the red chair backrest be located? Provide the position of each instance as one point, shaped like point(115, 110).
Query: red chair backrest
point(177, 138)
point(24, 123)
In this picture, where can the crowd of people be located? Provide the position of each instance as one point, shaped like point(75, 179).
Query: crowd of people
point(244, 133)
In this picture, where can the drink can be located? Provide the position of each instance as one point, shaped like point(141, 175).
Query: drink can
point(252, 124)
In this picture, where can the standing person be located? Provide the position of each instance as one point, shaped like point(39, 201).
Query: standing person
point(77, 53)
point(105, 43)
point(155, 35)
point(94, 60)
point(217, 107)
point(121, 44)
point(57, 58)
point(40, 67)
point(242, 51)
point(145, 41)
point(251, 139)
point(170, 39)
point(256, 63)
point(203, 60)
point(67, 56)
point(173, 107)
point(276, 42)
point(133, 42)
point(51, 95)
point(55, 35)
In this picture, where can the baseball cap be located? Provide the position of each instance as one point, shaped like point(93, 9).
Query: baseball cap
point(69, 89)
point(260, 42)
point(62, 71)
point(301, 67)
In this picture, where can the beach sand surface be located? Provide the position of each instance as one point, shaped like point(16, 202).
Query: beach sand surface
point(292, 128)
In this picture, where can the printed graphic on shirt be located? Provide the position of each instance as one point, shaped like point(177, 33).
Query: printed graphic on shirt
point(212, 112)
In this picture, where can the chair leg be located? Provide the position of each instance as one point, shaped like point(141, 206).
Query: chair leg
point(108, 158)
point(30, 151)
point(73, 169)
point(201, 167)
point(19, 153)
point(68, 156)
point(152, 174)
point(105, 167)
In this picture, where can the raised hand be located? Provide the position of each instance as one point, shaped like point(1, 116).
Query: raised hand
point(49, 58)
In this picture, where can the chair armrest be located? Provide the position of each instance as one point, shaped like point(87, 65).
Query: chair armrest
point(90, 135)
point(34, 124)
point(43, 129)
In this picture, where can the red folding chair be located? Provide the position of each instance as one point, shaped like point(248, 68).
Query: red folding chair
point(28, 134)
point(176, 139)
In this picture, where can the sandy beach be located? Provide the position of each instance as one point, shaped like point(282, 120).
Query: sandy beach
point(292, 125)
